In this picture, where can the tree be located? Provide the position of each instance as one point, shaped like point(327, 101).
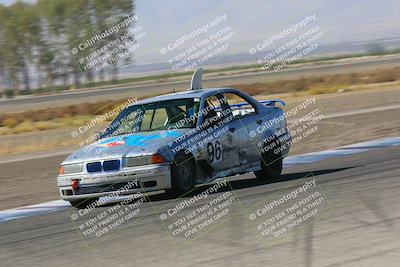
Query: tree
point(2, 74)
point(78, 25)
point(52, 50)
point(18, 39)
point(27, 28)
point(121, 10)
point(40, 36)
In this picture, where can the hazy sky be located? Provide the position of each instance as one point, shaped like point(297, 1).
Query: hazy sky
point(255, 20)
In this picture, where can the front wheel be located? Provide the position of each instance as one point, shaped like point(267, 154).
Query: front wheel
point(183, 175)
point(83, 203)
point(271, 162)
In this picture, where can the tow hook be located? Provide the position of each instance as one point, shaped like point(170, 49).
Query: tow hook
point(75, 184)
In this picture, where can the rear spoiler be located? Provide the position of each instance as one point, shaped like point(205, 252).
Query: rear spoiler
point(264, 102)
point(272, 102)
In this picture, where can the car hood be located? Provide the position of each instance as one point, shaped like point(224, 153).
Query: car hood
point(134, 144)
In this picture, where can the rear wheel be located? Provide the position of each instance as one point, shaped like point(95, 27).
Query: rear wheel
point(271, 162)
point(183, 175)
point(83, 203)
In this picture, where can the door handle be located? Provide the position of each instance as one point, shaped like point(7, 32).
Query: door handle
point(259, 121)
point(232, 130)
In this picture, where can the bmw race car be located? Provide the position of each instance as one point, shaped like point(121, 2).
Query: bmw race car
point(176, 141)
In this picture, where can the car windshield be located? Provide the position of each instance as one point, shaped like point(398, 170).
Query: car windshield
point(163, 115)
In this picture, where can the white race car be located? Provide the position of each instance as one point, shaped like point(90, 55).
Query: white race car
point(176, 141)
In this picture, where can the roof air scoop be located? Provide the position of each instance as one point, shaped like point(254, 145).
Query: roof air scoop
point(197, 77)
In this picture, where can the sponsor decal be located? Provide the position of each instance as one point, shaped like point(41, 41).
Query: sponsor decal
point(112, 144)
point(135, 139)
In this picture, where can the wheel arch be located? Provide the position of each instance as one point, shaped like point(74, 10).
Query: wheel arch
point(189, 156)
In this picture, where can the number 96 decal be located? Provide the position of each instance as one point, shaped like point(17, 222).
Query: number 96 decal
point(214, 151)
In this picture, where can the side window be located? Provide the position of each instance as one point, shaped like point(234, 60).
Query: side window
point(160, 118)
point(239, 106)
point(147, 116)
point(214, 109)
point(154, 119)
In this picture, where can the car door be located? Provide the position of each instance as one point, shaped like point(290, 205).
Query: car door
point(221, 144)
point(246, 119)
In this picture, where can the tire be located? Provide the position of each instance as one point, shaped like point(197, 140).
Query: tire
point(271, 163)
point(182, 175)
point(83, 203)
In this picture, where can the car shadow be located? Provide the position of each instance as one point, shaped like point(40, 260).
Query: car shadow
point(250, 182)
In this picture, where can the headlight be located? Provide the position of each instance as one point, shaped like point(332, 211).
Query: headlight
point(144, 160)
point(71, 168)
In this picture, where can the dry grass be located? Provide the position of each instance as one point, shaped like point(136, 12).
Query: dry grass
point(78, 115)
point(37, 146)
point(321, 84)
point(37, 126)
point(71, 111)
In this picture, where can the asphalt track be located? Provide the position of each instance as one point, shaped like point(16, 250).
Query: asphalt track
point(359, 228)
point(118, 92)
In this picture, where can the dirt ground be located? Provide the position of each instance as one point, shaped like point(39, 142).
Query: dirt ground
point(35, 143)
point(34, 181)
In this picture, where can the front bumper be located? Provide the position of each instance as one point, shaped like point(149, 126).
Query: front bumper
point(125, 181)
